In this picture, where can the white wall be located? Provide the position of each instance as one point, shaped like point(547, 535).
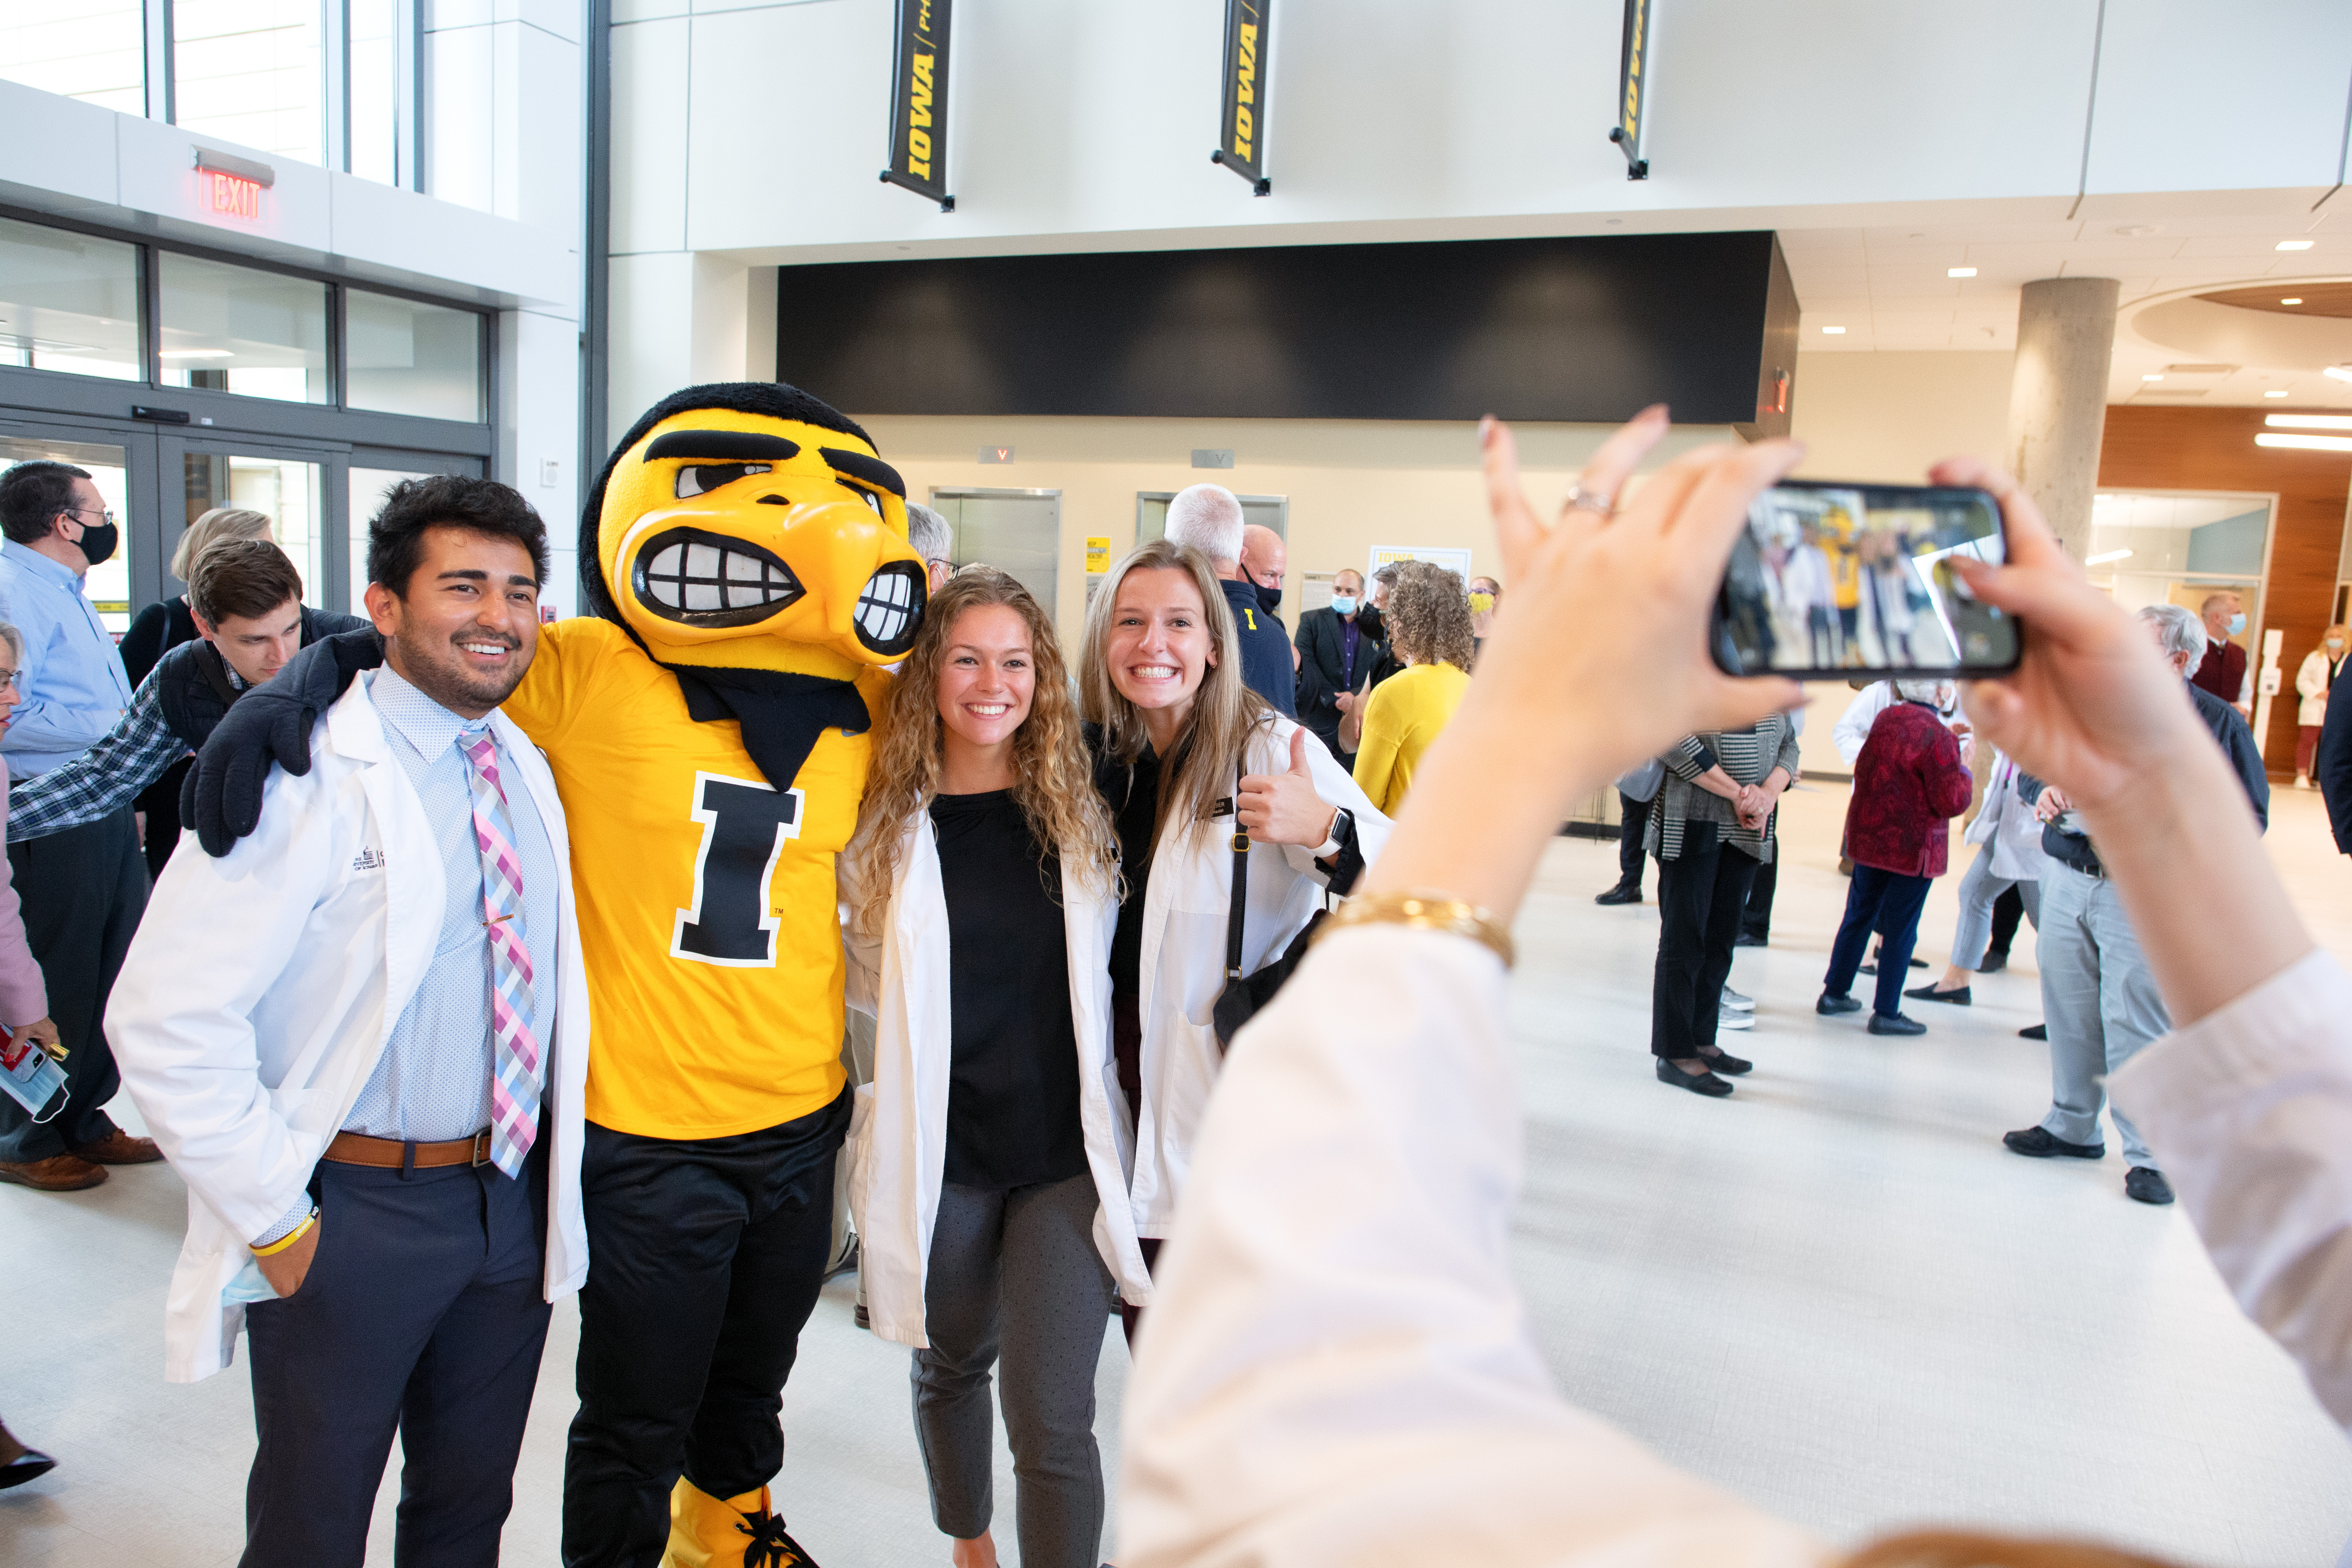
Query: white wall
point(1886, 416)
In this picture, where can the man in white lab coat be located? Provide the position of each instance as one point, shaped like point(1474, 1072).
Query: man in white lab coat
point(361, 1037)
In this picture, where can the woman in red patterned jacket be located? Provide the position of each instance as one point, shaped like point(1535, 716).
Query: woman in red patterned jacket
point(1910, 781)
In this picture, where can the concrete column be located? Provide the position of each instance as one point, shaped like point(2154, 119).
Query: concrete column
point(2058, 398)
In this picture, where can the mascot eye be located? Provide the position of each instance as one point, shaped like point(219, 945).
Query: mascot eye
point(868, 497)
point(695, 479)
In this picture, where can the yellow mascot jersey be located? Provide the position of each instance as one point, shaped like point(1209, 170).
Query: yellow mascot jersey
point(706, 896)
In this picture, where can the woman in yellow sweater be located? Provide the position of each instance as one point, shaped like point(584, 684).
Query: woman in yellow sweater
point(1429, 629)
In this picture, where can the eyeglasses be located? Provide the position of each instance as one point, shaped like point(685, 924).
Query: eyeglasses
point(105, 518)
point(7, 678)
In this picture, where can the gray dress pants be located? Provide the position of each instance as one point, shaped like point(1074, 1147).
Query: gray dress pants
point(2101, 1002)
point(1015, 1272)
point(1979, 890)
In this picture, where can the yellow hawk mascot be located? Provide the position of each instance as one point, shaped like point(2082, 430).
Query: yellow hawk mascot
point(744, 562)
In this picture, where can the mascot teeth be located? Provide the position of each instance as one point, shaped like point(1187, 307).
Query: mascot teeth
point(712, 580)
point(890, 607)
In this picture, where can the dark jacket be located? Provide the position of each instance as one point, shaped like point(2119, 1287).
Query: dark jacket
point(1323, 671)
point(2332, 769)
point(2237, 743)
point(155, 632)
point(1266, 650)
point(2223, 670)
point(193, 686)
point(1908, 784)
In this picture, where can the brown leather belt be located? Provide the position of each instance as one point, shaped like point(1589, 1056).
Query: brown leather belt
point(392, 1155)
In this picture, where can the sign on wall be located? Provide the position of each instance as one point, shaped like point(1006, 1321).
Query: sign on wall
point(1630, 131)
point(1241, 137)
point(918, 102)
point(1453, 559)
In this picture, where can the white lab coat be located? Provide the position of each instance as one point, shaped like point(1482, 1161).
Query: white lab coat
point(2311, 683)
point(1852, 727)
point(262, 987)
point(1183, 969)
point(2008, 825)
point(1338, 1369)
point(899, 1130)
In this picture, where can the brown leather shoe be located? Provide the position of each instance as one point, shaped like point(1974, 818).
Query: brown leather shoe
point(119, 1148)
point(58, 1174)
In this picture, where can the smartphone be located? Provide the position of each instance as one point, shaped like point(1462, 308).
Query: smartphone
point(1832, 581)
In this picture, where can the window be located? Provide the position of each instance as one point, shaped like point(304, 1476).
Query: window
point(250, 71)
point(69, 301)
point(232, 329)
point(94, 50)
point(287, 493)
point(374, 91)
point(402, 357)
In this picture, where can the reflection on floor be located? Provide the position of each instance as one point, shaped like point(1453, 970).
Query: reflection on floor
point(1833, 1293)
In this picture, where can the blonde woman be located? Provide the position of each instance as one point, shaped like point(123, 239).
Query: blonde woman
point(2318, 677)
point(156, 631)
point(1430, 630)
point(988, 1158)
point(1182, 750)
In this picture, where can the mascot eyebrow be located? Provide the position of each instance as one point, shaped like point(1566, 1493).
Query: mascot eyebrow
point(859, 466)
point(736, 446)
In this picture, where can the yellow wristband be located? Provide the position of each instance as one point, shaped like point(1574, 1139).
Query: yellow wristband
point(291, 1238)
point(1426, 911)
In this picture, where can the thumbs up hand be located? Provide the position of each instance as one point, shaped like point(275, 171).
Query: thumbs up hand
point(1283, 809)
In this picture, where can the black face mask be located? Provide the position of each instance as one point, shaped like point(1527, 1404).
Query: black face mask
point(98, 544)
point(1268, 599)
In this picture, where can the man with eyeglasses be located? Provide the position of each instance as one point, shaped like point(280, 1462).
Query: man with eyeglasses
point(83, 889)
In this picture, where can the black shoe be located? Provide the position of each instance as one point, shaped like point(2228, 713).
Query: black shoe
point(1722, 1062)
point(1623, 893)
point(1705, 1083)
point(1895, 1023)
point(2035, 1032)
point(1918, 963)
point(1829, 1004)
point(1744, 940)
point(1927, 993)
point(2038, 1143)
point(1871, 967)
point(2146, 1183)
point(864, 1321)
point(1994, 962)
point(32, 1463)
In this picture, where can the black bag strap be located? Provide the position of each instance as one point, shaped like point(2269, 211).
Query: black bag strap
point(1240, 902)
point(216, 673)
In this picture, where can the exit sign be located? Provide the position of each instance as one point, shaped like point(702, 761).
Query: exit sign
point(230, 185)
point(227, 193)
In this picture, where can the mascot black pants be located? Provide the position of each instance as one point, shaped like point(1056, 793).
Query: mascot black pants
point(705, 1259)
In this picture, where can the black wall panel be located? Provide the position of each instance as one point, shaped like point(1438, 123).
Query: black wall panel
point(1582, 329)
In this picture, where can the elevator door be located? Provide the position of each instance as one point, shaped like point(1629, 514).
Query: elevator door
point(1016, 531)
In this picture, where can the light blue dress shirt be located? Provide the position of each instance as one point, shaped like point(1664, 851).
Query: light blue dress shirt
point(433, 1083)
point(71, 681)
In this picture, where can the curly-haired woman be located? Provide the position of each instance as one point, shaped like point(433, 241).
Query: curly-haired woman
point(1429, 628)
point(988, 1156)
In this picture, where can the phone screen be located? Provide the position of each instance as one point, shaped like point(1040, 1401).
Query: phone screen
point(1830, 580)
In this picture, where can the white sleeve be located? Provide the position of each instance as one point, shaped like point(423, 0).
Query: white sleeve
point(1852, 727)
point(1336, 1369)
point(2312, 679)
point(2250, 1109)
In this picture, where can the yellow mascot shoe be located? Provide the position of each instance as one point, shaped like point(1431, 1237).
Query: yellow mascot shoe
point(739, 1532)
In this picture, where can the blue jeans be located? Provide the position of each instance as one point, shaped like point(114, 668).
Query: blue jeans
point(1889, 903)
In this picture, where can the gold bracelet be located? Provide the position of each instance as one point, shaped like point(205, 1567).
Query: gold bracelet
point(291, 1238)
point(1426, 911)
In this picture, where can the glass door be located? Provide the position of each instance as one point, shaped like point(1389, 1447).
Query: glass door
point(121, 465)
point(374, 471)
point(296, 486)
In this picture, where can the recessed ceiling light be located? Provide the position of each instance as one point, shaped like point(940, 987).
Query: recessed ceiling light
point(2294, 245)
point(2297, 300)
point(2275, 394)
point(2309, 421)
point(2308, 443)
point(1832, 331)
point(2338, 371)
point(2156, 377)
point(1959, 272)
point(2104, 556)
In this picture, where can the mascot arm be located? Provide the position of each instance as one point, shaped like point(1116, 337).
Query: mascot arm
point(271, 723)
point(555, 688)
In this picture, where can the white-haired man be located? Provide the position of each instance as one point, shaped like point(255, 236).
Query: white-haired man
point(1209, 519)
point(2097, 993)
point(932, 539)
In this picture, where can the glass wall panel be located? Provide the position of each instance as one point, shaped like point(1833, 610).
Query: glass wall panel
point(68, 302)
point(374, 87)
point(250, 71)
point(287, 493)
point(401, 357)
point(368, 487)
point(94, 50)
point(108, 585)
point(231, 329)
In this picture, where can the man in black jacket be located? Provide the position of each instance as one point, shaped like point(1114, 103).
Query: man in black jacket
point(1334, 649)
point(247, 599)
point(2097, 992)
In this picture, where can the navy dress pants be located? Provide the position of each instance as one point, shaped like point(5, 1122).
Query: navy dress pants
point(707, 1255)
point(1889, 903)
point(425, 1310)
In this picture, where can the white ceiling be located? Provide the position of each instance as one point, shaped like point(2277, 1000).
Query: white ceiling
point(1888, 286)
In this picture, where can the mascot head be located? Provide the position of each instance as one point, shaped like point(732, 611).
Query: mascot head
point(748, 526)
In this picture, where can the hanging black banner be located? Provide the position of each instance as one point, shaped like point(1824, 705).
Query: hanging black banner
point(1240, 139)
point(918, 102)
point(1633, 90)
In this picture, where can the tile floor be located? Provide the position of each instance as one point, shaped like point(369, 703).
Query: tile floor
point(1833, 1293)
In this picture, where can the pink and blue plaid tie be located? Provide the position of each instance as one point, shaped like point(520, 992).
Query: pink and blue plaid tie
point(515, 1064)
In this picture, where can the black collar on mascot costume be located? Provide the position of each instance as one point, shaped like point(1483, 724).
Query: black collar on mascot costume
point(782, 714)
